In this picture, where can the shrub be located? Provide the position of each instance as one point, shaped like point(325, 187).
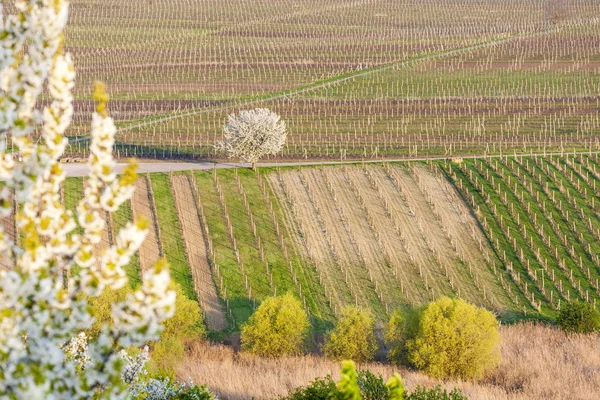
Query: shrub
point(319, 389)
point(185, 325)
point(436, 393)
point(353, 337)
point(403, 325)
point(455, 339)
point(101, 308)
point(576, 317)
point(278, 327)
point(372, 387)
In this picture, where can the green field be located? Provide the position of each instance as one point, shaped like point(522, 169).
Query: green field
point(517, 235)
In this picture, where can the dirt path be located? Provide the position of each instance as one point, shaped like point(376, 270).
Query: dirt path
point(142, 207)
point(105, 235)
point(197, 254)
point(462, 228)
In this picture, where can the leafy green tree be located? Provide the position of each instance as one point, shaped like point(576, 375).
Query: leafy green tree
point(576, 317)
point(403, 325)
point(353, 337)
point(455, 340)
point(186, 325)
point(279, 327)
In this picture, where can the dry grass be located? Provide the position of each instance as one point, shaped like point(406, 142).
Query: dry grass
point(538, 363)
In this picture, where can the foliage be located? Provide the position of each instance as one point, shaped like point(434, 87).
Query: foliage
point(164, 388)
point(101, 307)
point(253, 134)
point(350, 389)
point(42, 303)
point(372, 387)
point(421, 393)
point(353, 337)
point(366, 384)
point(455, 339)
point(319, 389)
point(578, 317)
point(185, 325)
point(278, 327)
point(403, 325)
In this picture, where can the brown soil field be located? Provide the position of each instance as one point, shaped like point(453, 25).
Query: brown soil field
point(141, 206)
point(309, 231)
point(413, 241)
point(196, 253)
point(538, 363)
point(338, 236)
point(405, 271)
point(365, 239)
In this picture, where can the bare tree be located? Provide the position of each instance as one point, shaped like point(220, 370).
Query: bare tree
point(253, 134)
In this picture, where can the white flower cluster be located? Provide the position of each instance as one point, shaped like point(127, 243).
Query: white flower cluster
point(76, 350)
point(42, 304)
point(253, 134)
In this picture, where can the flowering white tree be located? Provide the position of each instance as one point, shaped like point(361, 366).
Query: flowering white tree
point(253, 134)
point(42, 304)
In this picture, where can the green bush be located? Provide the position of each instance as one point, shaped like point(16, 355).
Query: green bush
point(353, 337)
point(436, 393)
point(576, 317)
point(101, 307)
point(455, 340)
point(403, 325)
point(184, 326)
point(278, 327)
point(372, 387)
point(365, 385)
point(319, 389)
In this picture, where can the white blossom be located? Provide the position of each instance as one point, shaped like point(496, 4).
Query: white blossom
point(253, 134)
point(42, 304)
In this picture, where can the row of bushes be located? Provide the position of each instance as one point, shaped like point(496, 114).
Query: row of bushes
point(368, 386)
point(446, 338)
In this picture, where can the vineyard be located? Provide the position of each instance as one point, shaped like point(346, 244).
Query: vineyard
point(517, 235)
point(362, 79)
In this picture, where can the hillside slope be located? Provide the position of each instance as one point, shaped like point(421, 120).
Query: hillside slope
point(517, 235)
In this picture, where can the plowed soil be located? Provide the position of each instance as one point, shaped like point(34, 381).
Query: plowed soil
point(196, 252)
point(142, 207)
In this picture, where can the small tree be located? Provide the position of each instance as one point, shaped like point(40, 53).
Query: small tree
point(252, 135)
point(353, 337)
point(455, 340)
point(576, 317)
point(402, 326)
point(278, 327)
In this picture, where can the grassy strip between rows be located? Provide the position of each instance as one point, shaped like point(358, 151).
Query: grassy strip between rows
point(172, 238)
point(120, 218)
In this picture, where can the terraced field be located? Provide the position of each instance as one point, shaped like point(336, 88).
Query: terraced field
point(517, 235)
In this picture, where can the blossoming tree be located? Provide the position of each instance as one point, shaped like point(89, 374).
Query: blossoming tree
point(253, 134)
point(42, 304)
